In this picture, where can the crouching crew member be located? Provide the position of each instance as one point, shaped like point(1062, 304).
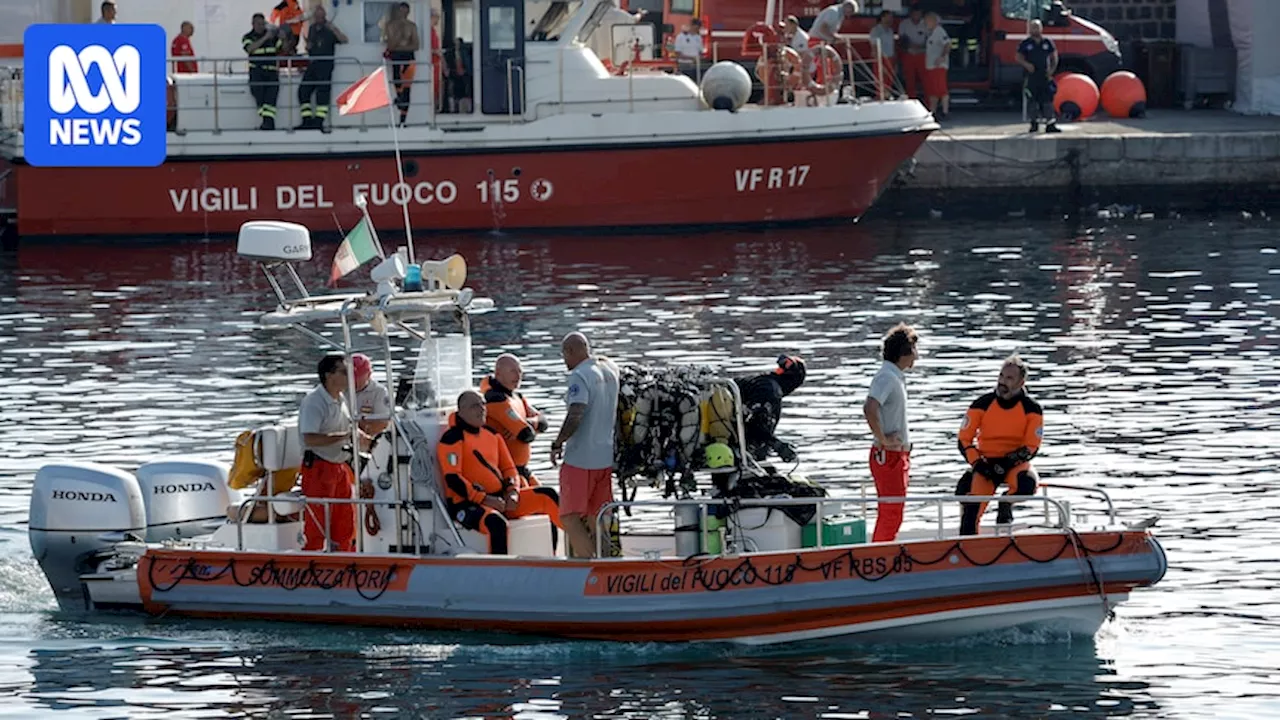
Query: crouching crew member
point(263, 45)
point(762, 407)
point(323, 37)
point(1000, 434)
point(511, 416)
point(324, 422)
point(373, 402)
point(480, 478)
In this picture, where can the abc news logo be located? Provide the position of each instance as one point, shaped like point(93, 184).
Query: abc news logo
point(69, 91)
point(95, 95)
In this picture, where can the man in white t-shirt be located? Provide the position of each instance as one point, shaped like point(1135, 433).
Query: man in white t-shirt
point(886, 412)
point(585, 442)
point(688, 47)
point(798, 40)
point(827, 25)
point(912, 35)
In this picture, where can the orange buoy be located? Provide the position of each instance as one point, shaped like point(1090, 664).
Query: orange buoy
point(1077, 97)
point(1123, 95)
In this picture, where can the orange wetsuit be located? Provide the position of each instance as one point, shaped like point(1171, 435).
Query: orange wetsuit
point(998, 439)
point(512, 417)
point(476, 465)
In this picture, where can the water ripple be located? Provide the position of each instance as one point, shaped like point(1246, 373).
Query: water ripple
point(1154, 358)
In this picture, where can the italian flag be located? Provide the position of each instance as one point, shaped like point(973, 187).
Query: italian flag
point(358, 247)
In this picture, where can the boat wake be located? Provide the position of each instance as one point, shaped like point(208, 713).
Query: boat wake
point(23, 588)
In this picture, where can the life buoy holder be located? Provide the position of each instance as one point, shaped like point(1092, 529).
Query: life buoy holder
point(757, 38)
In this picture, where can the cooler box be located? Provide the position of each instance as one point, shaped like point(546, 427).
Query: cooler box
point(765, 530)
point(836, 530)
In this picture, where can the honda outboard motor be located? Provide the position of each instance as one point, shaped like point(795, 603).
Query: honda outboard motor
point(184, 498)
point(78, 511)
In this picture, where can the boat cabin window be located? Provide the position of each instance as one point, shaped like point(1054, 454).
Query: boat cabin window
point(552, 22)
point(593, 22)
point(376, 15)
point(682, 7)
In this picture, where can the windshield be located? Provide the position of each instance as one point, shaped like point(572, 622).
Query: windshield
point(1025, 9)
point(554, 20)
point(442, 372)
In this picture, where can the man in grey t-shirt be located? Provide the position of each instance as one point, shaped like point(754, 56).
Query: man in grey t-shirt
point(585, 442)
point(324, 424)
point(886, 413)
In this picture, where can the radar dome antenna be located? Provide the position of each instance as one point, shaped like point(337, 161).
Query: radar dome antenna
point(447, 274)
point(274, 244)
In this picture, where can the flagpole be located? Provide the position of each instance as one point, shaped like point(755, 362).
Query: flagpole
point(363, 204)
point(395, 140)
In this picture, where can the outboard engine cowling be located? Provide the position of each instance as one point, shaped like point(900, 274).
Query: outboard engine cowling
point(182, 496)
point(78, 510)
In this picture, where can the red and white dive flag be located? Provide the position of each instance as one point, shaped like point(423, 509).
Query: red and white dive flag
point(370, 93)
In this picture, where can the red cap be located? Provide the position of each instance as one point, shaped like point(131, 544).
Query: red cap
point(361, 367)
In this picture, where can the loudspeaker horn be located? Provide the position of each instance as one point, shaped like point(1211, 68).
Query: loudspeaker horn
point(450, 273)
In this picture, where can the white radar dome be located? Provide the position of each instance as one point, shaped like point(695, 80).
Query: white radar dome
point(726, 86)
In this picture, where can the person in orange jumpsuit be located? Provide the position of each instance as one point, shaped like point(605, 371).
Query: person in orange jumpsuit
point(1000, 435)
point(510, 414)
point(480, 477)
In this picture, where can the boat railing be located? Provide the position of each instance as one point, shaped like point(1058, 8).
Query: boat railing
point(327, 503)
point(604, 515)
point(1088, 490)
point(860, 73)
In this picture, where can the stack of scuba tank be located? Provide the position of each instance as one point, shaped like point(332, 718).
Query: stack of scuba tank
point(666, 417)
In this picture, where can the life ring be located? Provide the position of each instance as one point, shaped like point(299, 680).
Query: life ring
point(792, 67)
point(829, 71)
point(757, 38)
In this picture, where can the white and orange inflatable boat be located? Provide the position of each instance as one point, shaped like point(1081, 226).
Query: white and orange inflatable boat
point(173, 539)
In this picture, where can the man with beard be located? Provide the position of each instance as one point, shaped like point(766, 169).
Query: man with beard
point(1000, 434)
point(762, 407)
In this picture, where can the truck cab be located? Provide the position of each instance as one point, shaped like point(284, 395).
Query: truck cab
point(985, 33)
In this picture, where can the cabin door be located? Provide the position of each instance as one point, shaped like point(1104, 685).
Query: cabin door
point(502, 57)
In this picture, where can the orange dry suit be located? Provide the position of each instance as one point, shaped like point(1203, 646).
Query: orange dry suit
point(511, 416)
point(476, 465)
point(1007, 435)
point(288, 13)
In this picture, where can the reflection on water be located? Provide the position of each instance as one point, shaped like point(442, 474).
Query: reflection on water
point(1153, 350)
point(381, 673)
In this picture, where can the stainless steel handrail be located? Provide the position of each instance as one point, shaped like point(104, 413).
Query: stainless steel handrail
point(1087, 490)
point(602, 533)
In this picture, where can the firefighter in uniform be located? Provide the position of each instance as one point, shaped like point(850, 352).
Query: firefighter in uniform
point(323, 37)
point(480, 477)
point(1000, 434)
point(263, 45)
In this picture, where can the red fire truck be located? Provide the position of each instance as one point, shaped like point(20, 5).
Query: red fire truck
point(985, 33)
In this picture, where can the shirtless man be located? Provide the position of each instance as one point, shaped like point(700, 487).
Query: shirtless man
point(402, 43)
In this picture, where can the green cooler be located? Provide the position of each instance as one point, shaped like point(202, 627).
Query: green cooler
point(836, 530)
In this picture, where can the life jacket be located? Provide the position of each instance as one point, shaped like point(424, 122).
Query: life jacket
point(247, 470)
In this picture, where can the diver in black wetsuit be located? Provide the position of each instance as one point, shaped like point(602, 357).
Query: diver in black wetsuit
point(762, 407)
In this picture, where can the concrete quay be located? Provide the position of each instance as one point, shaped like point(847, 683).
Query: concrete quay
point(1169, 147)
